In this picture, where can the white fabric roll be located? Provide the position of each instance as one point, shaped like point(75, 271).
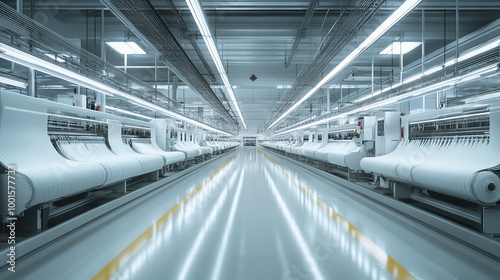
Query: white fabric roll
point(340, 151)
point(189, 150)
point(149, 163)
point(42, 173)
point(310, 150)
point(450, 165)
point(148, 148)
point(118, 168)
point(486, 187)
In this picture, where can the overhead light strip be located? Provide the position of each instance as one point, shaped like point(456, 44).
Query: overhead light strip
point(434, 87)
point(126, 47)
point(201, 22)
point(400, 47)
point(467, 55)
point(55, 57)
point(394, 18)
point(13, 82)
point(125, 112)
point(30, 61)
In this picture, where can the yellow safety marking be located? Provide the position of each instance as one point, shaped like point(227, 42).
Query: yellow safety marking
point(389, 263)
point(124, 256)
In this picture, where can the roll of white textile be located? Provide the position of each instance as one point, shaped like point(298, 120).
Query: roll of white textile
point(486, 187)
point(453, 165)
point(148, 148)
point(338, 156)
point(337, 145)
point(387, 164)
point(149, 163)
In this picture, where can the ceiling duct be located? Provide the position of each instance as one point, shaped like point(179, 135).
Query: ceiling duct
point(142, 19)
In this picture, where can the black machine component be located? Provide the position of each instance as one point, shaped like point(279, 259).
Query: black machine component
point(249, 141)
point(74, 125)
point(380, 128)
point(341, 135)
point(458, 125)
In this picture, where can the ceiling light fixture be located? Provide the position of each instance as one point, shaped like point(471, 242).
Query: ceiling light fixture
point(126, 47)
point(30, 61)
point(201, 22)
point(394, 18)
point(13, 82)
point(434, 87)
point(398, 47)
point(125, 112)
point(466, 55)
point(55, 57)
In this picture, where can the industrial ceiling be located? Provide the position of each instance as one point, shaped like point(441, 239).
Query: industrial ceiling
point(273, 52)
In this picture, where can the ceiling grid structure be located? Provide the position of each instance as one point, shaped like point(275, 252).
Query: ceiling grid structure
point(257, 38)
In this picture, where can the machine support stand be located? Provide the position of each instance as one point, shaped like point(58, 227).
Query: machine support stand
point(120, 188)
point(489, 219)
point(401, 191)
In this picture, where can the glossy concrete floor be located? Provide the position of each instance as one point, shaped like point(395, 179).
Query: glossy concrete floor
point(256, 216)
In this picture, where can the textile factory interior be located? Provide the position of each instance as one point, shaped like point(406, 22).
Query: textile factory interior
point(208, 139)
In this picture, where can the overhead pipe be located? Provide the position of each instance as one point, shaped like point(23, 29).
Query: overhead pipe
point(19, 8)
point(142, 19)
point(338, 39)
point(302, 30)
point(191, 40)
point(457, 31)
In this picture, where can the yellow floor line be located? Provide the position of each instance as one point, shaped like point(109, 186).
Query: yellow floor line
point(391, 265)
point(124, 256)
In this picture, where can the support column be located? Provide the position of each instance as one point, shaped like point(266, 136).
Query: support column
point(328, 100)
point(423, 41)
point(32, 83)
point(328, 106)
point(156, 76)
point(175, 86)
point(101, 101)
point(100, 97)
point(457, 31)
point(125, 63)
point(373, 73)
point(19, 8)
point(103, 43)
point(401, 59)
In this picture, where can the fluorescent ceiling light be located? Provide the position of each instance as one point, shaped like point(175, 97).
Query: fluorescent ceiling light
point(13, 82)
point(53, 87)
point(164, 87)
point(433, 87)
point(394, 18)
point(137, 127)
point(121, 111)
point(126, 47)
point(337, 86)
point(76, 118)
point(466, 55)
point(222, 86)
point(398, 47)
point(30, 61)
point(201, 22)
point(481, 98)
point(55, 57)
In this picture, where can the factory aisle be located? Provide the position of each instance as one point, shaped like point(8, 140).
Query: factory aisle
point(259, 217)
